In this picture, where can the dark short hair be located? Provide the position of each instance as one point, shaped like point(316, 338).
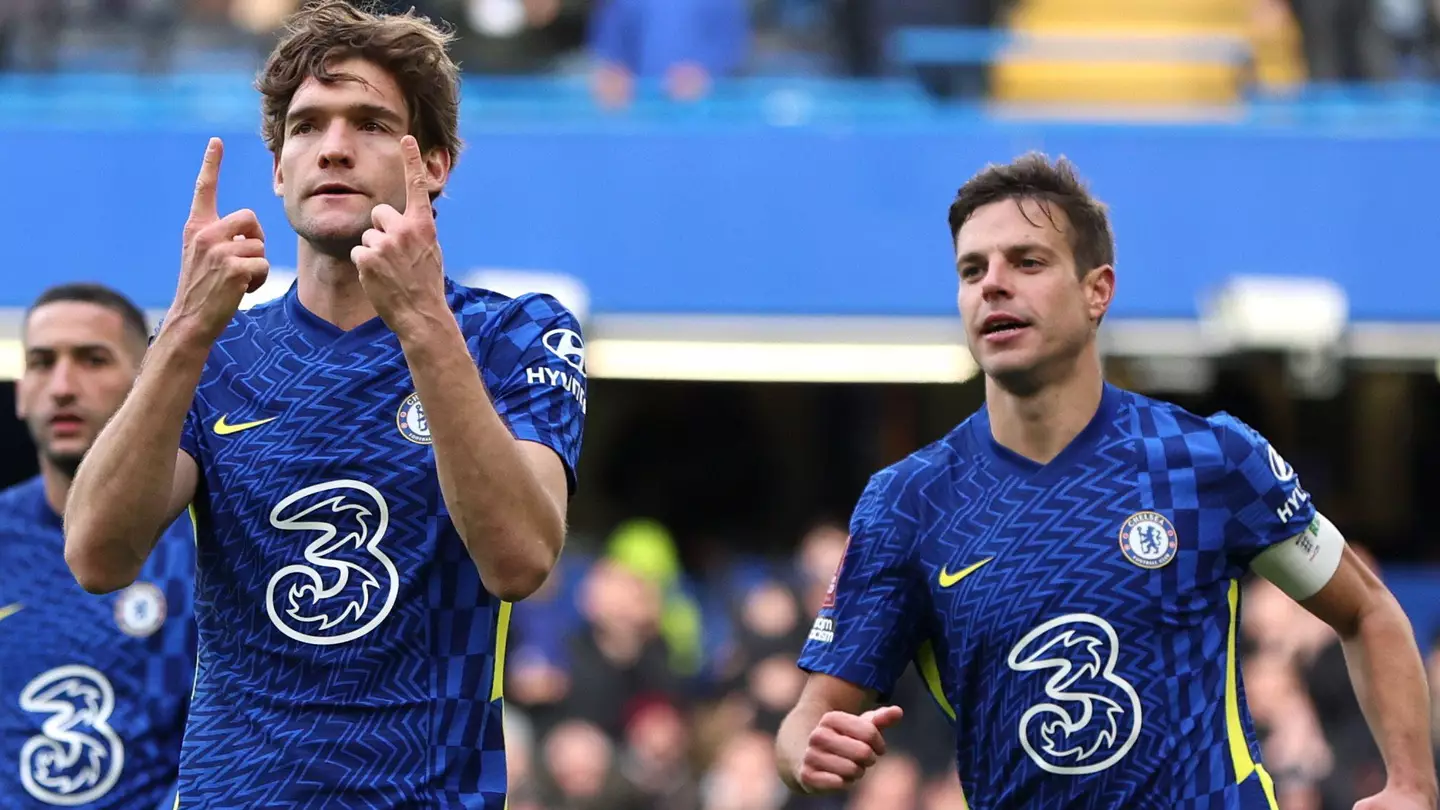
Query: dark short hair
point(100, 295)
point(1033, 176)
point(408, 47)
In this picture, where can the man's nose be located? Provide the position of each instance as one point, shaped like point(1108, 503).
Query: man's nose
point(64, 380)
point(997, 281)
point(336, 149)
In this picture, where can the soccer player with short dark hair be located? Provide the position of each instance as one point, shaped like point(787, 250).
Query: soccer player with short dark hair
point(93, 690)
point(1064, 567)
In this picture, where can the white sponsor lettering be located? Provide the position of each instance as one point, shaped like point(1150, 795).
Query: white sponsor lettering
point(540, 375)
point(823, 630)
point(1298, 497)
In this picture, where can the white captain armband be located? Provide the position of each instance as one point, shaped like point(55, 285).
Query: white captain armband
point(1302, 565)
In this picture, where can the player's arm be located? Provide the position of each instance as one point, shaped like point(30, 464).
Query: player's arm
point(1318, 570)
point(865, 636)
point(832, 736)
point(136, 480)
point(506, 498)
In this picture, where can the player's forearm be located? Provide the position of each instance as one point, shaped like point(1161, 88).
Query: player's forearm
point(1389, 679)
point(118, 504)
point(793, 738)
point(511, 527)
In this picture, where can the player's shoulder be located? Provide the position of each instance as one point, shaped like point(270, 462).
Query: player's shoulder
point(900, 483)
point(20, 503)
point(1219, 438)
point(478, 307)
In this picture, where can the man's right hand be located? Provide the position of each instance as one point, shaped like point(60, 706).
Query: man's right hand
point(222, 258)
point(842, 747)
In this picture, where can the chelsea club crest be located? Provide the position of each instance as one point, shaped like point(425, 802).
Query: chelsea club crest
point(140, 610)
point(411, 421)
point(1148, 539)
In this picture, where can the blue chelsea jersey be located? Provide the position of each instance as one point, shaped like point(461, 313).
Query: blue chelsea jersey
point(93, 689)
point(1077, 619)
point(349, 654)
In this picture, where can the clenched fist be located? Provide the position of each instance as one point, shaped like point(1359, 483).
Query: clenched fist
point(399, 258)
point(842, 747)
point(221, 259)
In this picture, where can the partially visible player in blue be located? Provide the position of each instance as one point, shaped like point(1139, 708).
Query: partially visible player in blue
point(93, 689)
point(1063, 567)
point(380, 460)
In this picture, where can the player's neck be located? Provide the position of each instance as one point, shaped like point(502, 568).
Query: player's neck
point(57, 485)
point(329, 287)
point(1040, 424)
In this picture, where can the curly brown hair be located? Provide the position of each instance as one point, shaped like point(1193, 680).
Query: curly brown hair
point(410, 48)
point(1033, 176)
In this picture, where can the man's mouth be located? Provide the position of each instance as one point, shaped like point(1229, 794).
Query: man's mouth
point(334, 190)
point(1001, 323)
point(66, 424)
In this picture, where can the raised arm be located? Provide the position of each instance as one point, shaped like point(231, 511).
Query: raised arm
point(136, 480)
point(507, 498)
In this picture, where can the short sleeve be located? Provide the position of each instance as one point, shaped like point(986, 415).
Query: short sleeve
point(1262, 492)
point(868, 628)
point(190, 434)
point(535, 372)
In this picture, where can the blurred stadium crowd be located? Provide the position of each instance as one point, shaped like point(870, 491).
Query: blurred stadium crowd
point(630, 686)
point(686, 44)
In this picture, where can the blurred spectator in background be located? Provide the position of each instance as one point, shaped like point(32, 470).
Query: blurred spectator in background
point(867, 26)
point(686, 44)
point(516, 36)
point(656, 760)
point(1334, 33)
point(818, 558)
point(743, 777)
point(617, 656)
point(580, 766)
point(1366, 40)
point(645, 548)
point(35, 34)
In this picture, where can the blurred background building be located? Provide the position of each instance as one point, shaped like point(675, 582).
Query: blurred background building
point(744, 200)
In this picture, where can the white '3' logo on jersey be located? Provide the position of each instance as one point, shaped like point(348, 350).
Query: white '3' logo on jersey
point(346, 585)
point(77, 757)
point(1094, 718)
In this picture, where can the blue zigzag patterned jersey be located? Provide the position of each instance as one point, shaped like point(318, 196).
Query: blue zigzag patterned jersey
point(93, 689)
point(1076, 620)
point(349, 654)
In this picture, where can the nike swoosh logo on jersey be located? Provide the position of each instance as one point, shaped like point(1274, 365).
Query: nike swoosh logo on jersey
point(10, 610)
point(223, 429)
point(947, 579)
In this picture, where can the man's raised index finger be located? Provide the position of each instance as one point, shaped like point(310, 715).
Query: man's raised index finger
point(417, 198)
point(204, 205)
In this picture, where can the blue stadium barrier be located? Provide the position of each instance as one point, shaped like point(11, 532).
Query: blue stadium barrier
point(783, 197)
